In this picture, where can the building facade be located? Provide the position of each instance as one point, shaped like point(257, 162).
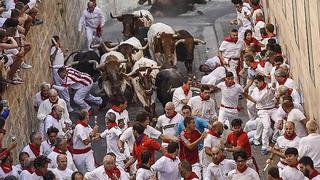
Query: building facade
point(298, 27)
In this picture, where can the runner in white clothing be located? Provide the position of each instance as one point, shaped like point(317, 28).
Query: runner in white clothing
point(243, 17)
point(62, 172)
point(144, 172)
point(182, 94)
point(82, 136)
point(81, 82)
point(42, 95)
point(203, 106)
point(168, 122)
point(54, 119)
point(92, 20)
point(48, 145)
point(119, 108)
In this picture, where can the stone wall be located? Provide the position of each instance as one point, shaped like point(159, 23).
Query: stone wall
point(60, 18)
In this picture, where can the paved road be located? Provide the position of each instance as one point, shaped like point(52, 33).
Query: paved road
point(211, 27)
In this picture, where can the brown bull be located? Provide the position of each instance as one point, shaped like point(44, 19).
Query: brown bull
point(130, 23)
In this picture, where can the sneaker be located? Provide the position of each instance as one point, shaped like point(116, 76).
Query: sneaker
point(256, 142)
point(25, 66)
point(37, 22)
point(264, 152)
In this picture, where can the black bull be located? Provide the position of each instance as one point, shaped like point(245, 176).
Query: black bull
point(173, 7)
point(166, 80)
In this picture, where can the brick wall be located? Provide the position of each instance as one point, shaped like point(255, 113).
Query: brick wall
point(60, 18)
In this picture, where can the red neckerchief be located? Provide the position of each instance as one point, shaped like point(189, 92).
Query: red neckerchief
point(35, 149)
point(233, 83)
point(290, 137)
point(111, 125)
point(185, 90)
point(262, 62)
point(290, 91)
point(116, 109)
point(169, 156)
point(43, 97)
point(231, 40)
point(172, 116)
point(57, 150)
point(263, 86)
point(214, 133)
point(264, 36)
point(221, 159)
point(282, 82)
point(256, 7)
point(253, 40)
point(113, 173)
point(6, 167)
point(313, 174)
point(82, 123)
point(242, 169)
point(29, 169)
point(294, 166)
point(191, 176)
point(55, 102)
point(258, 20)
point(38, 172)
point(203, 98)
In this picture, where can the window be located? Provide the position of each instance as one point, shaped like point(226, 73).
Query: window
point(309, 39)
point(295, 21)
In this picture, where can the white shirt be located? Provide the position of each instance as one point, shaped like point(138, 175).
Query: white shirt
point(230, 49)
point(296, 116)
point(144, 174)
point(25, 175)
point(167, 168)
point(216, 76)
point(169, 126)
point(92, 20)
point(80, 134)
point(14, 172)
point(213, 62)
point(280, 114)
point(295, 96)
point(210, 141)
point(205, 109)
point(248, 174)
point(28, 150)
point(257, 27)
point(308, 146)
point(46, 147)
point(289, 83)
point(53, 164)
point(50, 121)
point(178, 96)
point(230, 96)
point(112, 137)
point(290, 173)
point(220, 171)
point(62, 175)
point(59, 58)
point(264, 98)
point(283, 144)
point(241, 17)
point(45, 108)
point(128, 137)
point(9, 4)
point(123, 115)
point(37, 100)
point(100, 174)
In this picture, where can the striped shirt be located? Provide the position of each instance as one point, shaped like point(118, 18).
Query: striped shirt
point(76, 79)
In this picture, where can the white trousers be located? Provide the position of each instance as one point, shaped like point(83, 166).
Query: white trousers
point(91, 34)
point(84, 162)
point(263, 127)
point(83, 94)
point(226, 117)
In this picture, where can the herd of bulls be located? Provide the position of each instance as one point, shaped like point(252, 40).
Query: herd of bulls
point(144, 65)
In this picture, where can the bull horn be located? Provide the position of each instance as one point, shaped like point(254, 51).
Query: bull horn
point(175, 35)
point(158, 36)
point(95, 46)
point(113, 16)
point(142, 48)
point(94, 62)
point(180, 41)
point(110, 49)
point(74, 63)
point(199, 41)
point(123, 61)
